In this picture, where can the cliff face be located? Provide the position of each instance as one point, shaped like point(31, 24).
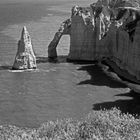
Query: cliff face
point(87, 33)
point(107, 30)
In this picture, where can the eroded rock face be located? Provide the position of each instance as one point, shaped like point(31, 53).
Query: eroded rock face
point(108, 29)
point(25, 57)
point(82, 34)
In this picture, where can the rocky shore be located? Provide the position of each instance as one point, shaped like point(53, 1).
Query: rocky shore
point(105, 31)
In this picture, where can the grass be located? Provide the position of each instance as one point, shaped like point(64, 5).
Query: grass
point(98, 125)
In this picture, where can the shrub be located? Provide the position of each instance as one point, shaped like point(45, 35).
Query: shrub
point(98, 125)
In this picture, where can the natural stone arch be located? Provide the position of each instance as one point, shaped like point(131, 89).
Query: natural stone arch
point(65, 29)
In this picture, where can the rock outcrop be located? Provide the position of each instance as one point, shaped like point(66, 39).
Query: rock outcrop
point(25, 57)
point(108, 29)
point(64, 29)
point(82, 35)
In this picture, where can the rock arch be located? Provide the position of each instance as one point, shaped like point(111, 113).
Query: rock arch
point(64, 29)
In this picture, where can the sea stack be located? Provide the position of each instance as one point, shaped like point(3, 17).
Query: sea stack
point(25, 57)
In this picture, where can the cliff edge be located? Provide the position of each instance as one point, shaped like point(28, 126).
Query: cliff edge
point(108, 30)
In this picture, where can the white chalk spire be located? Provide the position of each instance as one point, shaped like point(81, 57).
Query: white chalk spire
point(25, 58)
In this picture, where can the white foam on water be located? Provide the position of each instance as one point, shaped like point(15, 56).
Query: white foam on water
point(33, 70)
point(16, 70)
point(28, 70)
point(50, 14)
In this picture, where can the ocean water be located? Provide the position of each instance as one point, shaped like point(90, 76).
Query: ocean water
point(55, 90)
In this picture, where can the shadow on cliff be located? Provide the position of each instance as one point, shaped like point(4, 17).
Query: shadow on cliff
point(99, 78)
point(129, 104)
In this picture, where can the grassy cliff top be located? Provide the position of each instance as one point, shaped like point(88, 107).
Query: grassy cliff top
point(98, 125)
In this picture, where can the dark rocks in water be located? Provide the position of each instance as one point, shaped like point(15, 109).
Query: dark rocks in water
point(25, 57)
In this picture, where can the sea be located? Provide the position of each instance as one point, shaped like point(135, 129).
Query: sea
point(56, 90)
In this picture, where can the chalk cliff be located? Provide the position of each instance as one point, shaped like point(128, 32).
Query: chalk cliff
point(25, 58)
point(108, 30)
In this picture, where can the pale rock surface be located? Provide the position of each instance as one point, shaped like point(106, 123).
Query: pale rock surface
point(25, 57)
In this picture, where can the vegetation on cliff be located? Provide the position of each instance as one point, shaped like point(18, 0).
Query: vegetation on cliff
point(98, 125)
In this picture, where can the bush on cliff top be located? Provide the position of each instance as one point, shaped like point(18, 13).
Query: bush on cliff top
point(121, 3)
point(99, 125)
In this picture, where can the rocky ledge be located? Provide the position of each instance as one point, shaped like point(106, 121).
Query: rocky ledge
point(25, 57)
